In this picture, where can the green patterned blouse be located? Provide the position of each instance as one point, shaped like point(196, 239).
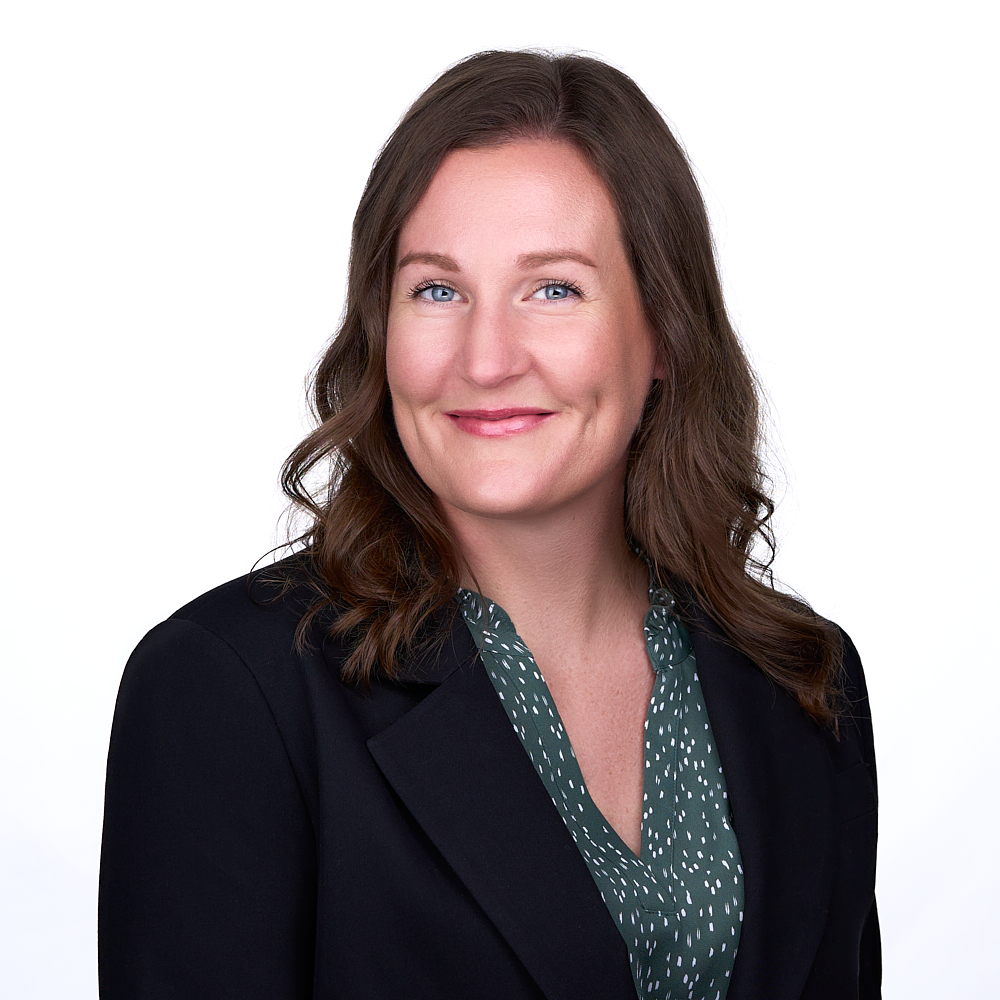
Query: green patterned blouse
point(679, 904)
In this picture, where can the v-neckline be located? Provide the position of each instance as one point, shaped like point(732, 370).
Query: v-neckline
point(616, 841)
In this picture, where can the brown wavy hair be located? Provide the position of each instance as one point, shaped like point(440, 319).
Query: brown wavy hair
point(377, 551)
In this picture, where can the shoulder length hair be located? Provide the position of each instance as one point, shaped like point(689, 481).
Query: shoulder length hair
point(379, 552)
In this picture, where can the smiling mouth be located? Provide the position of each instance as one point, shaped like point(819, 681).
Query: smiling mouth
point(499, 423)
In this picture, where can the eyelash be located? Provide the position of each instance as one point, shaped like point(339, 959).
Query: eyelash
point(424, 285)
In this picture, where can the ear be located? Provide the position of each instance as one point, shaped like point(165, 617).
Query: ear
point(659, 370)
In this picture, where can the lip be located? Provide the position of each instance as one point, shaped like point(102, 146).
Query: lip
point(500, 422)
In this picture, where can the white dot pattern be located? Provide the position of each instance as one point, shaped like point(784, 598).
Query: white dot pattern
point(678, 906)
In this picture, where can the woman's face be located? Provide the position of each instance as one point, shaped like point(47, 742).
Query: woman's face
point(518, 356)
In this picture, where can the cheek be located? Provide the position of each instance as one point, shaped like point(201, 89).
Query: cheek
point(637, 364)
point(416, 364)
point(610, 371)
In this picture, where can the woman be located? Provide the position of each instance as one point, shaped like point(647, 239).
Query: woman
point(520, 718)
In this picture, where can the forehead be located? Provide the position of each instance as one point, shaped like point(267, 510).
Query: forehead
point(522, 195)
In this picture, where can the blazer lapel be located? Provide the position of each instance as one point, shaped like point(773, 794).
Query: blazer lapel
point(458, 766)
point(780, 782)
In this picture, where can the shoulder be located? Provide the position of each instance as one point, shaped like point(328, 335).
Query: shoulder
point(855, 721)
point(243, 630)
point(253, 614)
point(255, 619)
point(226, 664)
point(850, 740)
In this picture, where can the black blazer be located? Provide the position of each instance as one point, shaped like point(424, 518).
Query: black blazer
point(272, 833)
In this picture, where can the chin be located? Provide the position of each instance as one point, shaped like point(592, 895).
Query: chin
point(502, 505)
point(498, 498)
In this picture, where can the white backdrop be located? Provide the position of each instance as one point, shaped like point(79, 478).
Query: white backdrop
point(177, 184)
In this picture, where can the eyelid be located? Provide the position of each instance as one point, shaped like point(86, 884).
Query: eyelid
point(422, 286)
point(550, 282)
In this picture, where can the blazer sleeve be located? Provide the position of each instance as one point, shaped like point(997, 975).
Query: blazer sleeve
point(208, 859)
point(870, 963)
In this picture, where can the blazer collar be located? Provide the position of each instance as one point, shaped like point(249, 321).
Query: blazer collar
point(458, 766)
point(460, 769)
point(780, 782)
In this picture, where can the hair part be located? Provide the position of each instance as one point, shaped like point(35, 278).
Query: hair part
point(379, 552)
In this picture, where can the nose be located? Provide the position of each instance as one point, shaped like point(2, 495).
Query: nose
point(493, 348)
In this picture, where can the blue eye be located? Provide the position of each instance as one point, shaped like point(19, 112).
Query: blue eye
point(437, 293)
point(555, 291)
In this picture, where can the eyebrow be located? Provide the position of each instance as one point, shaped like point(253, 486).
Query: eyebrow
point(526, 261)
point(434, 259)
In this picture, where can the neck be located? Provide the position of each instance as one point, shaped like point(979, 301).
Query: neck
point(571, 566)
